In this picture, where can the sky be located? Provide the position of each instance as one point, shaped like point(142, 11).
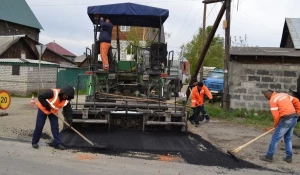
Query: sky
point(259, 21)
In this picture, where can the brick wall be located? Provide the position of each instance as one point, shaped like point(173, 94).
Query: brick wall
point(185, 67)
point(246, 82)
point(123, 47)
point(27, 81)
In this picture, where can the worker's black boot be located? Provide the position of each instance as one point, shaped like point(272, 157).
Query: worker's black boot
point(60, 147)
point(192, 121)
point(288, 159)
point(266, 158)
point(35, 146)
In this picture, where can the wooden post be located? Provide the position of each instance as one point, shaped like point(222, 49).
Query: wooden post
point(203, 38)
point(206, 46)
point(226, 95)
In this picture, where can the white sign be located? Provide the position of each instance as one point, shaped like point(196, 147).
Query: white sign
point(41, 49)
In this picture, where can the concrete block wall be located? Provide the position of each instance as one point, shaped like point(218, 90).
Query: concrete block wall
point(27, 82)
point(48, 78)
point(246, 82)
point(14, 84)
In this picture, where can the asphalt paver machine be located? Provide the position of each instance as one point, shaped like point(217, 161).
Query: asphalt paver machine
point(133, 93)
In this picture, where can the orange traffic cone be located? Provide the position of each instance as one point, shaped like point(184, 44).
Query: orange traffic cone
point(32, 101)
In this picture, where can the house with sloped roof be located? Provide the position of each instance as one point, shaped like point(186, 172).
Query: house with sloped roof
point(16, 18)
point(20, 33)
point(22, 46)
point(253, 69)
point(129, 33)
point(82, 61)
point(60, 50)
point(23, 77)
point(291, 33)
point(19, 64)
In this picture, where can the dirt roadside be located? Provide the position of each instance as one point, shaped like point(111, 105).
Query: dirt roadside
point(224, 135)
point(227, 136)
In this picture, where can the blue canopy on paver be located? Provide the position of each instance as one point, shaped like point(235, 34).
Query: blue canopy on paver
point(130, 14)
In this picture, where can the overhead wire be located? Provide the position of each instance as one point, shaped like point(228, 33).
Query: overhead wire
point(85, 4)
point(259, 22)
point(187, 14)
point(197, 28)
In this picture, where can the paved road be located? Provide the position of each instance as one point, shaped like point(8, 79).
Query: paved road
point(20, 158)
point(17, 157)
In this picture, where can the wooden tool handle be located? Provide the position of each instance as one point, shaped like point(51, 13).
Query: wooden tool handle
point(66, 123)
point(251, 141)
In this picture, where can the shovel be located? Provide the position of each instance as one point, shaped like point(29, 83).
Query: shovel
point(94, 145)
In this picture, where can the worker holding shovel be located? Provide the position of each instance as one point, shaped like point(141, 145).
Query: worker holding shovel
point(284, 109)
point(49, 102)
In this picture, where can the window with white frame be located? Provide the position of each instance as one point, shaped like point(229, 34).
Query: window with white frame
point(125, 28)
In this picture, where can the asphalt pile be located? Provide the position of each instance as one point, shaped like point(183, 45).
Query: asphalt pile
point(24, 133)
point(191, 147)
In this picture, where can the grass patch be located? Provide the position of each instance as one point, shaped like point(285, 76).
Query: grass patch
point(80, 92)
point(242, 116)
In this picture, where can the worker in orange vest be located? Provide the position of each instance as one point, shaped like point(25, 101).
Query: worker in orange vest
point(49, 102)
point(197, 102)
point(285, 109)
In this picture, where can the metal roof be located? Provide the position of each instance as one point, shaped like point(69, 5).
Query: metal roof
point(264, 51)
point(80, 59)
point(59, 49)
point(21, 60)
point(18, 11)
point(7, 41)
point(294, 29)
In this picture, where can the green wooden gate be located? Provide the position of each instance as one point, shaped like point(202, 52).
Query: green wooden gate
point(69, 76)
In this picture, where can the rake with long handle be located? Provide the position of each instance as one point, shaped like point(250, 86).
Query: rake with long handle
point(237, 149)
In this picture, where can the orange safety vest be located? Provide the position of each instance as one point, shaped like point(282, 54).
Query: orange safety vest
point(283, 104)
point(54, 103)
point(198, 97)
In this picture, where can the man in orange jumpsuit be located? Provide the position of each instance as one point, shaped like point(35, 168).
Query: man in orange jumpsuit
point(197, 102)
point(284, 109)
point(105, 40)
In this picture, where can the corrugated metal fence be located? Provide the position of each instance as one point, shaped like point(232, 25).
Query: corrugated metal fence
point(69, 76)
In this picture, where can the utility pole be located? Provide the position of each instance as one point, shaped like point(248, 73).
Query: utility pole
point(203, 38)
point(226, 95)
point(207, 43)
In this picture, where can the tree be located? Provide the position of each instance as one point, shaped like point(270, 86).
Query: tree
point(215, 54)
point(134, 37)
point(242, 42)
